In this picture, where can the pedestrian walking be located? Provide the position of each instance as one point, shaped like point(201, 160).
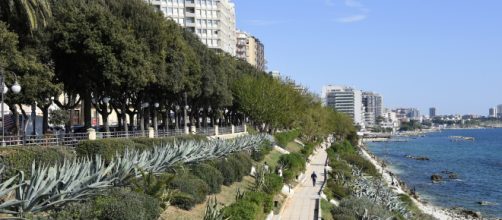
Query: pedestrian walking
point(314, 178)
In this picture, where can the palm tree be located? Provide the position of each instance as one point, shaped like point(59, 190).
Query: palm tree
point(25, 16)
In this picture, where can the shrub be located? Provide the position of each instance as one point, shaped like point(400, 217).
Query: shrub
point(261, 199)
point(293, 164)
point(107, 148)
point(308, 149)
point(363, 164)
point(337, 190)
point(195, 188)
point(241, 210)
point(265, 148)
point(285, 137)
point(355, 208)
point(273, 184)
point(227, 169)
point(243, 162)
point(343, 148)
point(117, 204)
point(210, 175)
point(21, 158)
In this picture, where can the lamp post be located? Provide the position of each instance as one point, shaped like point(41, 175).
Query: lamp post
point(16, 88)
point(155, 123)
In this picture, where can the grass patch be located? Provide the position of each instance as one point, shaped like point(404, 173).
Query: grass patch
point(226, 197)
point(326, 210)
point(293, 147)
point(272, 158)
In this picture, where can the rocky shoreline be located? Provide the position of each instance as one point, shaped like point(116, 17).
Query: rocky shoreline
point(400, 187)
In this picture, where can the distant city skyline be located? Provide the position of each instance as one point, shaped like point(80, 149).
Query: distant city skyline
point(415, 53)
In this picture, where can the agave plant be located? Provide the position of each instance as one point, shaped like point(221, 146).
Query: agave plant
point(73, 180)
point(5, 189)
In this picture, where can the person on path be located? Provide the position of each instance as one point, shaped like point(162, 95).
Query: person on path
point(314, 178)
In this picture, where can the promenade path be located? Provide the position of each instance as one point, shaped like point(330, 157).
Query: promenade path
point(302, 205)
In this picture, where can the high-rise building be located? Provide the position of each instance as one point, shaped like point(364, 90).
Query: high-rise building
point(499, 111)
point(250, 48)
point(492, 113)
point(213, 21)
point(346, 100)
point(432, 112)
point(373, 107)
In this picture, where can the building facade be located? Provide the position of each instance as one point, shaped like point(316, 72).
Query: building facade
point(251, 49)
point(492, 113)
point(346, 100)
point(213, 21)
point(432, 112)
point(499, 111)
point(373, 107)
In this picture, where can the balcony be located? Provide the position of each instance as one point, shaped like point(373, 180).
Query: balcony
point(189, 3)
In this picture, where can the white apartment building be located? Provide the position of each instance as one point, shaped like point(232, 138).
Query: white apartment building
point(346, 100)
point(213, 21)
point(373, 106)
point(251, 49)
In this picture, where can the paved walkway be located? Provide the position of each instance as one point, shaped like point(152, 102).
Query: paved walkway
point(301, 206)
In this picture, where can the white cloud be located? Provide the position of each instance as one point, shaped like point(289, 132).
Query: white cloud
point(352, 18)
point(353, 4)
point(360, 14)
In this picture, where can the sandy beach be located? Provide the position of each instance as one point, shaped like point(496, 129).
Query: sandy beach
point(436, 212)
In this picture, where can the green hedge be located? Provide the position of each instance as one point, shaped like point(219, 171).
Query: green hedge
point(294, 164)
point(166, 140)
point(16, 159)
point(108, 148)
point(210, 175)
point(284, 138)
point(117, 203)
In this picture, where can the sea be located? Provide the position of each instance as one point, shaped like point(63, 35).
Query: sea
point(478, 165)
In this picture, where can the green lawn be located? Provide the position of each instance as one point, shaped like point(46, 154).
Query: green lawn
point(326, 210)
point(294, 147)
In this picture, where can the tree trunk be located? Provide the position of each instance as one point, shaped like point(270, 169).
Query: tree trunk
point(34, 118)
point(155, 123)
point(87, 110)
point(45, 120)
point(124, 117)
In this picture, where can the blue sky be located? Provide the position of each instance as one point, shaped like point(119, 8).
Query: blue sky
point(416, 53)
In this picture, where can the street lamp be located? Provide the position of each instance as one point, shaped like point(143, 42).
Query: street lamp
point(16, 89)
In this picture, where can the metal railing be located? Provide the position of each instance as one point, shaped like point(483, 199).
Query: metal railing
point(209, 131)
point(73, 139)
point(239, 129)
point(225, 130)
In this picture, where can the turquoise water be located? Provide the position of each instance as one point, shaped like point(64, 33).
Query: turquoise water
point(478, 165)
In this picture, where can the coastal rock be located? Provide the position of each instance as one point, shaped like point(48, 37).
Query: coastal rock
point(436, 178)
point(453, 176)
point(417, 158)
point(486, 203)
